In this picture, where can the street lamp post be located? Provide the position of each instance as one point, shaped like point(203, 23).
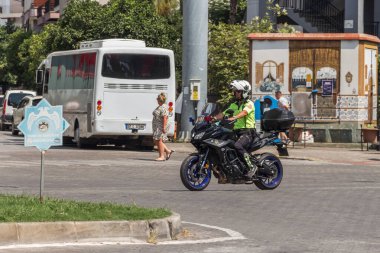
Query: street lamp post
point(194, 58)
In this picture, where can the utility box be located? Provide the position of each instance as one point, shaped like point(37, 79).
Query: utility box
point(330, 79)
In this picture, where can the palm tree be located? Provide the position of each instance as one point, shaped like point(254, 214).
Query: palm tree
point(165, 7)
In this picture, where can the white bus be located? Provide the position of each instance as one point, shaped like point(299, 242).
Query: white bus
point(108, 89)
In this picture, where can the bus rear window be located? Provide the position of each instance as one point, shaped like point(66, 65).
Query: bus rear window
point(136, 66)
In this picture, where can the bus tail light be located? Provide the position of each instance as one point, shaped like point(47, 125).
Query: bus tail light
point(170, 104)
point(99, 107)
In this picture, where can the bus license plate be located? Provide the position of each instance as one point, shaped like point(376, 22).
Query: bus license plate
point(135, 126)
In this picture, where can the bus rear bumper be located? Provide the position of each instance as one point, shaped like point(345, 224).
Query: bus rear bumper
point(122, 128)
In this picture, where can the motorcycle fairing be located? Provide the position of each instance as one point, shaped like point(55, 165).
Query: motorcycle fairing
point(217, 143)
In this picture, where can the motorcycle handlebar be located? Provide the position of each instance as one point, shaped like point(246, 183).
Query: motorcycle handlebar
point(225, 121)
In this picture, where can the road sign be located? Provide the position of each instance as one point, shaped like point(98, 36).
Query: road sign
point(43, 125)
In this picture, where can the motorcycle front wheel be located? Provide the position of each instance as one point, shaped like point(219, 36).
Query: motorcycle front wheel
point(270, 182)
point(193, 177)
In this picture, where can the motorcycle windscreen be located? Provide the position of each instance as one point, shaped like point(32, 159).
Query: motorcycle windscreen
point(209, 109)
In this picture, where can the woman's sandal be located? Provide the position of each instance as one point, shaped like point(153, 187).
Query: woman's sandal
point(168, 156)
point(160, 160)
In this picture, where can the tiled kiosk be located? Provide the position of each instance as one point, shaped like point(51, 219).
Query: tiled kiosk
point(329, 79)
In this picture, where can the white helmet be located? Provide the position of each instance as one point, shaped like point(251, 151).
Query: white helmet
point(241, 85)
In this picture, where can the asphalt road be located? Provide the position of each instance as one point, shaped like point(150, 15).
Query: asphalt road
point(319, 207)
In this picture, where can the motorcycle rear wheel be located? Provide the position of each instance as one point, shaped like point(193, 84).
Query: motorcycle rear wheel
point(192, 177)
point(271, 183)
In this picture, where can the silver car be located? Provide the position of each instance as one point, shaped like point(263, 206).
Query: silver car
point(19, 112)
point(12, 99)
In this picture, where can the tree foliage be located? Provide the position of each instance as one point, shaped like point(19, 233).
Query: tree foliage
point(14, 56)
point(166, 7)
point(220, 11)
point(228, 57)
point(5, 76)
point(82, 20)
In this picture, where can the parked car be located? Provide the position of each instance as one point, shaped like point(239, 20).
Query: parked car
point(19, 112)
point(11, 99)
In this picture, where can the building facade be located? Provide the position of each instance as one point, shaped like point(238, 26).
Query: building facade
point(325, 16)
point(37, 13)
point(330, 79)
point(11, 10)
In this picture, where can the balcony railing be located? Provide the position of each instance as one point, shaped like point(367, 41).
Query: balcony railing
point(372, 28)
point(320, 13)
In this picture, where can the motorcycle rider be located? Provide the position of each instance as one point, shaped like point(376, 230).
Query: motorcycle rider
point(244, 114)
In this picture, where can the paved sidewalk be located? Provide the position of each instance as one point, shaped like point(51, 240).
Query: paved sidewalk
point(316, 152)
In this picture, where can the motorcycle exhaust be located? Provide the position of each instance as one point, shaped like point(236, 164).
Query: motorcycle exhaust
point(266, 169)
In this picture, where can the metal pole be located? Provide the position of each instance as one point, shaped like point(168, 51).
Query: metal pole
point(194, 57)
point(253, 9)
point(42, 174)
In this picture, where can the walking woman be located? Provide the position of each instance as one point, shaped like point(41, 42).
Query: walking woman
point(160, 128)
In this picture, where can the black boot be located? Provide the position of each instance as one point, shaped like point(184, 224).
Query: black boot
point(251, 167)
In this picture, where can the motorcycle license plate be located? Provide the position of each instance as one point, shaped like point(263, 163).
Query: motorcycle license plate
point(135, 126)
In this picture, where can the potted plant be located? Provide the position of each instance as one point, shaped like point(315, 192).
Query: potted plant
point(369, 133)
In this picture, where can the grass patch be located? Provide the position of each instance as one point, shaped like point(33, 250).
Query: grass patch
point(29, 209)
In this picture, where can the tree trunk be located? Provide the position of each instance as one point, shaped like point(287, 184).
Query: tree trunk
point(233, 11)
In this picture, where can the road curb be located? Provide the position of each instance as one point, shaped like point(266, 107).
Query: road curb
point(297, 158)
point(155, 230)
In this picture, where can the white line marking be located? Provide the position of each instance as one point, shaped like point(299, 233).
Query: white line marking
point(232, 235)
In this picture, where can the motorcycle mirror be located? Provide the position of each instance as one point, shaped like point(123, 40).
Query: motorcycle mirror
point(208, 118)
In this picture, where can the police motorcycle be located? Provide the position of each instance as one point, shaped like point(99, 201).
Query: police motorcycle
point(214, 141)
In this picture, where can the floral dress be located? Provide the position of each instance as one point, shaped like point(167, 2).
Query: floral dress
point(158, 121)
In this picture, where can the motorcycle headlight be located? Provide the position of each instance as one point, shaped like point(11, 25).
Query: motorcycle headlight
point(199, 136)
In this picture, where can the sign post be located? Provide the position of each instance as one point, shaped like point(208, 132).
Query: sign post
point(42, 173)
point(42, 127)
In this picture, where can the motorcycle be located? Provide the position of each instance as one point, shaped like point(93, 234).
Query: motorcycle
point(214, 141)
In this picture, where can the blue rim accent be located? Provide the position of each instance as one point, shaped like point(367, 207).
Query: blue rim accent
point(197, 185)
point(275, 181)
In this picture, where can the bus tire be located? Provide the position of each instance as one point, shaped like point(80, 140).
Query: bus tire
point(146, 143)
point(77, 139)
point(83, 142)
point(147, 148)
point(14, 129)
point(66, 141)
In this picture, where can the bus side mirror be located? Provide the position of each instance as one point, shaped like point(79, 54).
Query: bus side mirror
point(39, 76)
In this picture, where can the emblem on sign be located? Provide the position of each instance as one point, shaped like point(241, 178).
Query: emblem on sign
point(43, 126)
